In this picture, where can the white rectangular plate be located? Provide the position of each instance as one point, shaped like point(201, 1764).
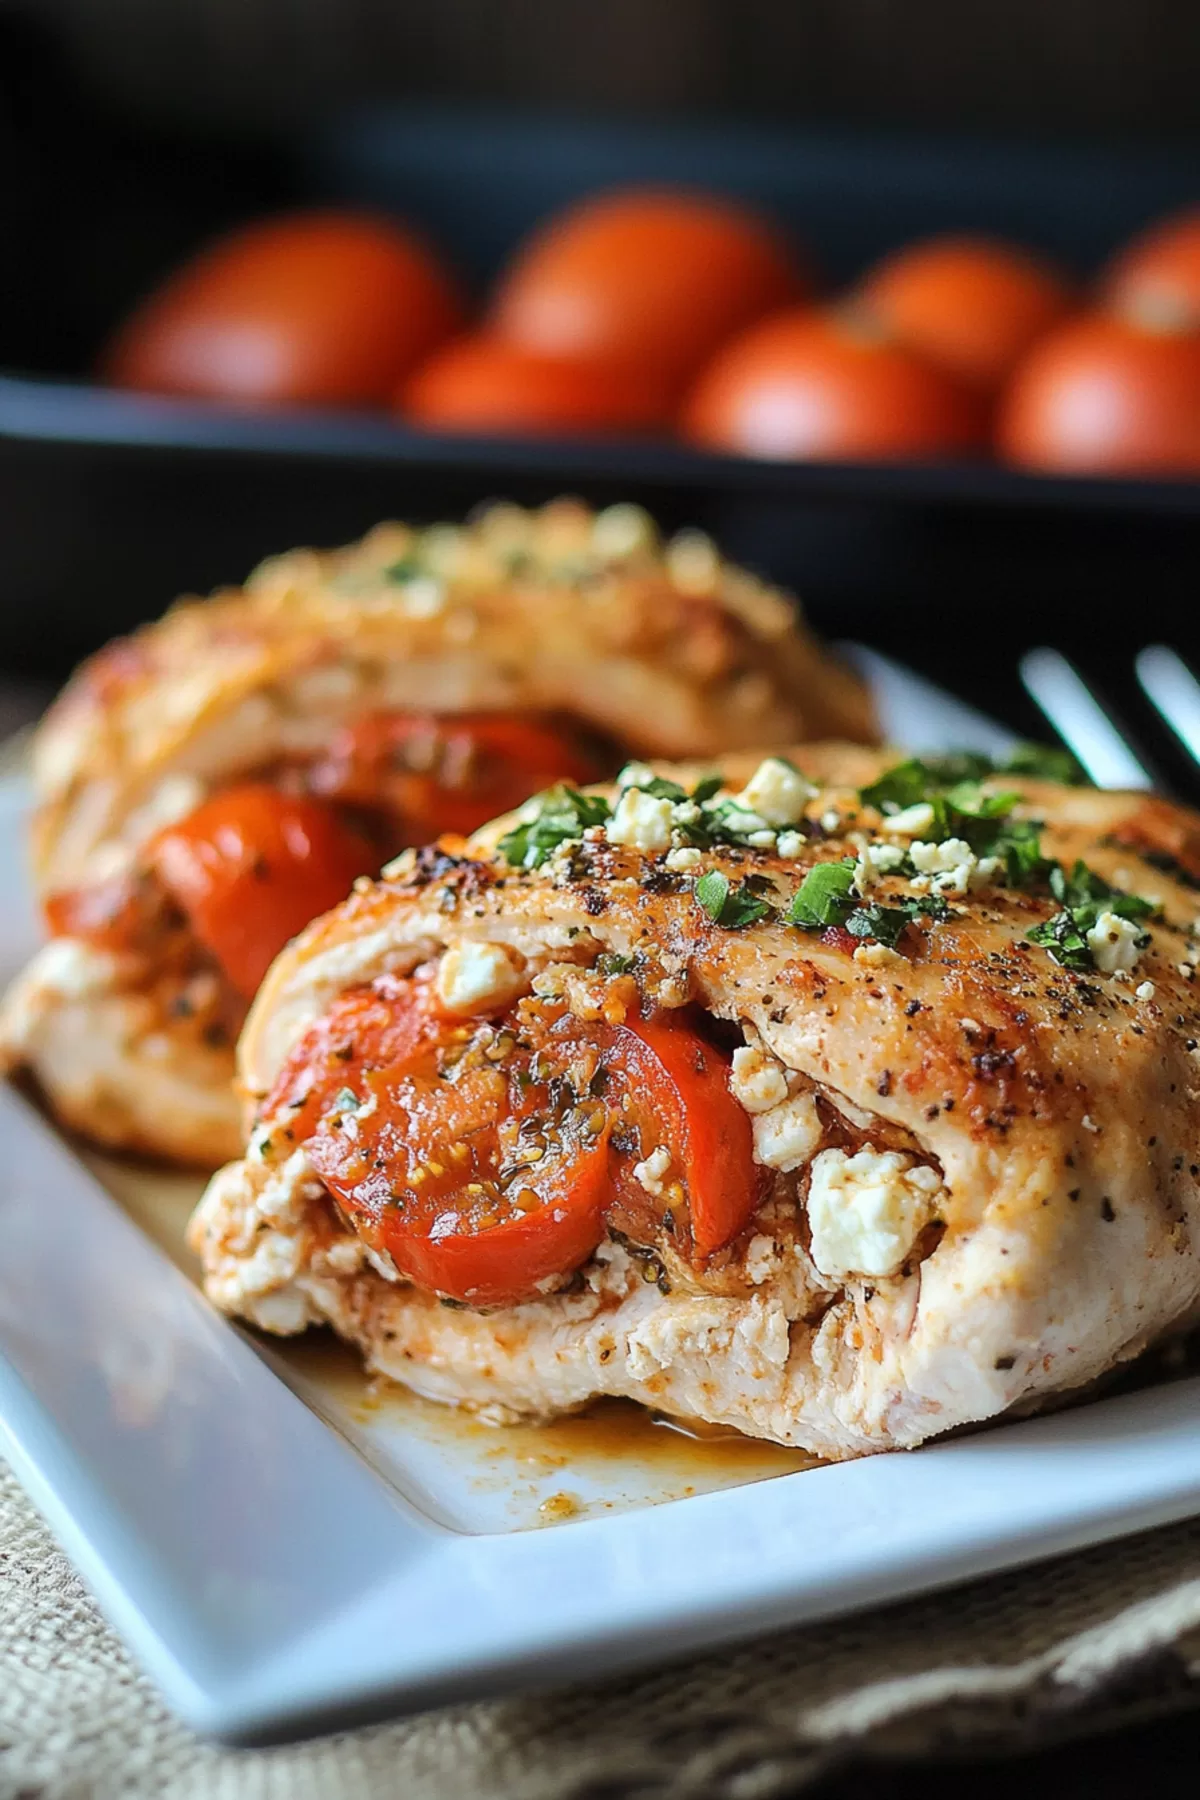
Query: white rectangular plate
point(277, 1576)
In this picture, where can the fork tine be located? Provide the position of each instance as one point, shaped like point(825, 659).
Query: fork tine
point(1173, 691)
point(1079, 719)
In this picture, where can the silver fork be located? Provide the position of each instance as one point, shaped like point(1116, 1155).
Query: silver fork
point(1089, 730)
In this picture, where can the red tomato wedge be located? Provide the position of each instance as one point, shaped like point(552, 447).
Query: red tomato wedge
point(448, 773)
point(678, 1084)
point(250, 867)
point(367, 1028)
point(486, 1160)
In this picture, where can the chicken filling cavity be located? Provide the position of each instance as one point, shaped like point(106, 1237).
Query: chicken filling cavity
point(213, 893)
point(487, 1129)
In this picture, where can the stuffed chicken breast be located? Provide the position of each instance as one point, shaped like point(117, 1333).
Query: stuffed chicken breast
point(840, 1102)
point(212, 783)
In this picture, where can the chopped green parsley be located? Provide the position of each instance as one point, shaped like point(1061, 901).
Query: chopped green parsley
point(732, 907)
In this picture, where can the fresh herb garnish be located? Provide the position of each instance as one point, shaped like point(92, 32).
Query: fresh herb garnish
point(1046, 762)
point(345, 1100)
point(1083, 896)
point(731, 907)
point(823, 897)
point(562, 815)
point(827, 896)
point(887, 924)
point(406, 568)
point(613, 962)
point(1083, 888)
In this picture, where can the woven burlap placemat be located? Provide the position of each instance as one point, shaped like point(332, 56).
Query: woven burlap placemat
point(1092, 1639)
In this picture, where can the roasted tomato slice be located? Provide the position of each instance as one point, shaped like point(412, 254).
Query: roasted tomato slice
point(250, 867)
point(479, 1167)
point(117, 914)
point(367, 1028)
point(450, 773)
point(675, 1093)
point(486, 1158)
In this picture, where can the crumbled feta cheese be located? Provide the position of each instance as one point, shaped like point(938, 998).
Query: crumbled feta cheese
point(758, 1082)
point(912, 821)
point(761, 1257)
point(622, 530)
point(951, 865)
point(693, 562)
point(865, 1210)
point(1145, 991)
point(423, 597)
point(761, 840)
point(686, 812)
point(641, 821)
point(789, 844)
point(1115, 943)
point(651, 1172)
point(1089, 1124)
point(786, 1137)
point(776, 792)
point(877, 956)
point(475, 977)
point(831, 820)
point(874, 861)
point(683, 859)
point(635, 774)
point(1187, 970)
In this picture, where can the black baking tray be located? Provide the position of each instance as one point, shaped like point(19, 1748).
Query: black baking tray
point(110, 504)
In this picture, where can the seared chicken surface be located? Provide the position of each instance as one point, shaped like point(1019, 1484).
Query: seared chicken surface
point(839, 1102)
point(210, 784)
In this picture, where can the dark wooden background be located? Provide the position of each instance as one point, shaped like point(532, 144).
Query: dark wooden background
point(1095, 67)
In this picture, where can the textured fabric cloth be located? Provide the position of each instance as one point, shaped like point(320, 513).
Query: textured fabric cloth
point(1105, 1635)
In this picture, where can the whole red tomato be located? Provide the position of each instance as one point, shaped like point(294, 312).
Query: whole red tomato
point(485, 385)
point(1105, 395)
point(971, 305)
point(826, 386)
point(322, 308)
point(1157, 276)
point(650, 280)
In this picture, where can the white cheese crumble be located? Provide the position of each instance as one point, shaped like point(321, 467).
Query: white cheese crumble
point(912, 821)
point(475, 977)
point(1145, 991)
point(1114, 942)
point(682, 860)
point(757, 1081)
point(789, 844)
point(952, 866)
point(423, 597)
point(865, 1210)
point(651, 1172)
point(875, 861)
point(621, 530)
point(786, 1137)
point(776, 792)
point(635, 774)
point(641, 821)
point(877, 956)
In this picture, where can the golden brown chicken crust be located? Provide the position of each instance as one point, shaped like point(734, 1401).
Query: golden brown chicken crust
point(667, 649)
point(1060, 1108)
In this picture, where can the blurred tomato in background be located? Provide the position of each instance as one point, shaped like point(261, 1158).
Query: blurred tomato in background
point(482, 384)
point(971, 305)
point(828, 385)
point(652, 281)
point(322, 308)
point(1104, 394)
